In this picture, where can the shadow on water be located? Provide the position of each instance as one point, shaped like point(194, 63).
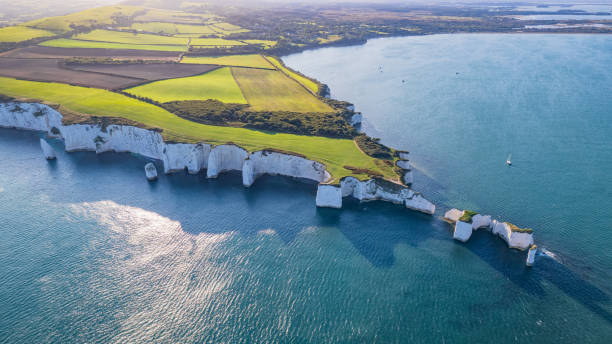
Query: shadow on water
point(219, 205)
point(510, 263)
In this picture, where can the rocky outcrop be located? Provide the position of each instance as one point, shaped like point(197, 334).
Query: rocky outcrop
point(531, 255)
point(199, 156)
point(375, 190)
point(48, 151)
point(463, 231)
point(329, 196)
point(356, 119)
point(514, 237)
point(404, 164)
point(150, 172)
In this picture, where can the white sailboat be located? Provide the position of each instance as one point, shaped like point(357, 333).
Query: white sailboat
point(508, 160)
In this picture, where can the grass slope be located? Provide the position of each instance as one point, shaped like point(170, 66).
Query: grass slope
point(22, 33)
point(218, 84)
point(173, 29)
point(335, 153)
point(129, 38)
point(271, 90)
point(73, 43)
point(254, 60)
point(215, 42)
point(90, 17)
point(309, 84)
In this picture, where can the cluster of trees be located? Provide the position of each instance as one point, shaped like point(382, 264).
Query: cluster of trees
point(217, 113)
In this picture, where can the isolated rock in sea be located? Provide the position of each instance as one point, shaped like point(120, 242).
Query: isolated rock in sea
point(463, 231)
point(47, 150)
point(531, 255)
point(150, 171)
point(481, 221)
point(329, 196)
point(453, 215)
point(514, 239)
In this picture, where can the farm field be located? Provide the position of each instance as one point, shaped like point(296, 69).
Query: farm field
point(145, 71)
point(265, 43)
point(91, 17)
point(22, 33)
point(227, 28)
point(271, 90)
point(335, 153)
point(158, 15)
point(214, 42)
point(253, 60)
point(173, 29)
point(130, 38)
point(50, 70)
point(73, 43)
point(38, 51)
point(218, 84)
point(304, 81)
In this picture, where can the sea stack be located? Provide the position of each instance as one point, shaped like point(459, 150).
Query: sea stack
point(531, 255)
point(47, 150)
point(463, 231)
point(151, 172)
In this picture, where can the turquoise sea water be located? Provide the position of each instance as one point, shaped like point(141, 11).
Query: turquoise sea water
point(91, 252)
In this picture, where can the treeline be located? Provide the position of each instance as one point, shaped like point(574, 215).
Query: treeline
point(215, 112)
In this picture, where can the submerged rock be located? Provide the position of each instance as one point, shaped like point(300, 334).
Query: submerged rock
point(151, 171)
point(47, 150)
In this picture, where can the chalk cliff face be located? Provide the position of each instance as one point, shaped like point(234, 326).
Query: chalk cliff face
point(48, 151)
point(463, 231)
point(200, 156)
point(270, 162)
point(531, 255)
point(376, 189)
point(514, 239)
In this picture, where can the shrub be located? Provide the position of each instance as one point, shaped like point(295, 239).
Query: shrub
point(467, 216)
point(373, 148)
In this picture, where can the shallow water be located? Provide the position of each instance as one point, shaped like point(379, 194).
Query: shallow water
point(90, 251)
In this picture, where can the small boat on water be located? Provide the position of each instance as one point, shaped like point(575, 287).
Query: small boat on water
point(508, 160)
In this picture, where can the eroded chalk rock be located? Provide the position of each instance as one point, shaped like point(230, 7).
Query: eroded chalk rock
point(514, 239)
point(531, 255)
point(463, 231)
point(150, 171)
point(47, 150)
point(225, 158)
point(481, 221)
point(276, 163)
point(329, 196)
point(453, 215)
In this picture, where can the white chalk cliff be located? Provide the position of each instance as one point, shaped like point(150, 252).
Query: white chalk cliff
point(47, 150)
point(372, 190)
point(514, 239)
point(201, 156)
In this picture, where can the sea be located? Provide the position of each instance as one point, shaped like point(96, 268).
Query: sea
point(90, 252)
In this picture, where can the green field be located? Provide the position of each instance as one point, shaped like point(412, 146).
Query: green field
point(267, 44)
point(271, 90)
point(130, 38)
point(169, 16)
point(335, 153)
point(218, 84)
point(73, 43)
point(304, 81)
point(214, 42)
point(22, 33)
point(173, 29)
point(91, 17)
point(253, 60)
